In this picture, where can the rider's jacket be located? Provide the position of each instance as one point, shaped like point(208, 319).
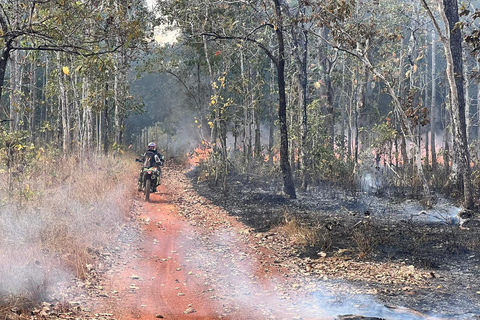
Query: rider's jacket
point(151, 159)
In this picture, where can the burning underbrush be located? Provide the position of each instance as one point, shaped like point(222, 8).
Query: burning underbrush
point(56, 215)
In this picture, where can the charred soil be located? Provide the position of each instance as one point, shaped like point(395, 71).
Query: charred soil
point(407, 256)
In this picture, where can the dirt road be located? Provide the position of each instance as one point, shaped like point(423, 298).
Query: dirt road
point(181, 257)
point(190, 260)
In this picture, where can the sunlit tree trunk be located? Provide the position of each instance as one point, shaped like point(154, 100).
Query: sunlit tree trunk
point(327, 92)
point(244, 106)
point(433, 104)
point(63, 106)
point(77, 119)
point(300, 48)
point(451, 38)
point(86, 128)
point(469, 110)
point(477, 115)
point(344, 114)
point(32, 99)
point(271, 118)
point(351, 119)
point(116, 103)
point(15, 91)
point(106, 120)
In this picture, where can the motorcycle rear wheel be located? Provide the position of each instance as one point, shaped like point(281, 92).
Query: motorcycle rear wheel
point(147, 190)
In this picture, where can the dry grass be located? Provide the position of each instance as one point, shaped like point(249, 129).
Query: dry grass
point(365, 239)
point(305, 234)
point(56, 214)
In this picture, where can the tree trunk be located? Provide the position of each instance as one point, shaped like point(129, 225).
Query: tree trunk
point(4, 59)
point(271, 125)
point(328, 93)
point(361, 102)
point(15, 94)
point(106, 121)
point(352, 120)
point(216, 120)
point(452, 45)
point(477, 116)
point(258, 146)
point(468, 104)
point(288, 184)
point(116, 102)
point(33, 99)
point(433, 106)
point(453, 54)
point(77, 105)
point(344, 116)
point(300, 48)
point(63, 107)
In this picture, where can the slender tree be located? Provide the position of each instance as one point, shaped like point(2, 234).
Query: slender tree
point(451, 38)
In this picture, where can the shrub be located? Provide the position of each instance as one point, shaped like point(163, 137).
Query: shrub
point(59, 211)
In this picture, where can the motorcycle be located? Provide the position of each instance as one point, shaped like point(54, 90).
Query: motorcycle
point(150, 176)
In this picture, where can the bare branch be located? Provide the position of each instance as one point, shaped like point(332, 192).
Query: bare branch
point(246, 38)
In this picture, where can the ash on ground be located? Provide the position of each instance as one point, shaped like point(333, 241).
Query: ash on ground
point(375, 229)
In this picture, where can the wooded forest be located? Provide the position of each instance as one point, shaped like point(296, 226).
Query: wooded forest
point(310, 91)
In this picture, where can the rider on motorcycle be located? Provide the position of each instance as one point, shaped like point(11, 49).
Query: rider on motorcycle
point(151, 158)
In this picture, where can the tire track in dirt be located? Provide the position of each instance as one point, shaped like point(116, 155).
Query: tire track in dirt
point(183, 257)
point(193, 261)
point(153, 281)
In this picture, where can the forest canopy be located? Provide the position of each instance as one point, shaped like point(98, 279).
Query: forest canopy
point(381, 94)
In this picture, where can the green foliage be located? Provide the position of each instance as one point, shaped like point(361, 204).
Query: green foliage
point(384, 134)
point(15, 150)
point(327, 165)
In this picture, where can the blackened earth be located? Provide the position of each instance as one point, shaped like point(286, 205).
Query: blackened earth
point(373, 229)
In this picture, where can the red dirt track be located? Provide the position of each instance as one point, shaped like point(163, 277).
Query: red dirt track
point(182, 257)
point(156, 282)
point(192, 261)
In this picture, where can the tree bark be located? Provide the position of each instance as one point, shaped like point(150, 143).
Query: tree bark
point(15, 87)
point(63, 107)
point(433, 106)
point(300, 48)
point(453, 53)
point(33, 99)
point(452, 45)
point(288, 184)
point(271, 124)
point(106, 122)
point(477, 117)
point(4, 58)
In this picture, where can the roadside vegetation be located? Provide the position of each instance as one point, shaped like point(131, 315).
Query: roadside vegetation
point(57, 214)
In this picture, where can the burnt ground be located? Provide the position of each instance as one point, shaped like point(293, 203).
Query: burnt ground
point(427, 260)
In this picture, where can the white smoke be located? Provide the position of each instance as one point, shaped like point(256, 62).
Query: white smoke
point(25, 269)
point(230, 270)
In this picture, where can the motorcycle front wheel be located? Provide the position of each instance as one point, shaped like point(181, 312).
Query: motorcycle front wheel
point(147, 190)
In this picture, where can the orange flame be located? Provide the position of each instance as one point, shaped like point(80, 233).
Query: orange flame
point(200, 154)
